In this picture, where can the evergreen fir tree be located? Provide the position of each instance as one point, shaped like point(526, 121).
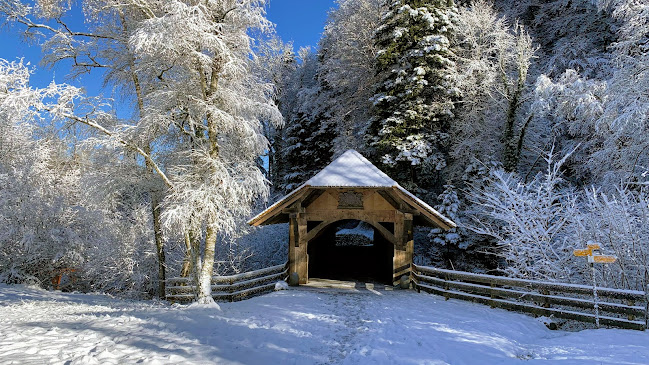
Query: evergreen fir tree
point(308, 136)
point(413, 103)
point(449, 204)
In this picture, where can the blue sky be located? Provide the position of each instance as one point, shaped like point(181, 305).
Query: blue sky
point(299, 21)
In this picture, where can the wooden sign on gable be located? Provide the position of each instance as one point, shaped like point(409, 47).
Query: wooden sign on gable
point(350, 200)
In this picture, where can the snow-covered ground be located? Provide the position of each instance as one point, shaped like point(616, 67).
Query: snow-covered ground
point(297, 326)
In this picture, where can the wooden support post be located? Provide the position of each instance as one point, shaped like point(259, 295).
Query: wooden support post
point(292, 243)
point(408, 236)
point(399, 259)
point(302, 256)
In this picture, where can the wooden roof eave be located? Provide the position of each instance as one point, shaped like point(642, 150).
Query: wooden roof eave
point(427, 214)
point(273, 214)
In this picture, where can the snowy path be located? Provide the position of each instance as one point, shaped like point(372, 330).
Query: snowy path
point(293, 327)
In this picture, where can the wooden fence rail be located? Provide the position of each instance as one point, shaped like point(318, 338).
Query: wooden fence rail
point(230, 288)
point(618, 308)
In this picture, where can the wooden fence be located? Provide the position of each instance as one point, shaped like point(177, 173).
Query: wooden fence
point(618, 308)
point(230, 288)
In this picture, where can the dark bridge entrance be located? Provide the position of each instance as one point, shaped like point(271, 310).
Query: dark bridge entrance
point(351, 250)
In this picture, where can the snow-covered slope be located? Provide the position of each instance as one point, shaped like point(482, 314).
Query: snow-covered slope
point(296, 326)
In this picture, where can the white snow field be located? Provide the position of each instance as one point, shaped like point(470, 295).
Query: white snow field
point(296, 326)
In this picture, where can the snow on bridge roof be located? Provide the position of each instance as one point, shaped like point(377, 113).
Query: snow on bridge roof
point(352, 170)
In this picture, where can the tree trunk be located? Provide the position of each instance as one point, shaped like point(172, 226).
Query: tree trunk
point(205, 279)
point(204, 288)
point(187, 267)
point(512, 152)
point(157, 232)
point(155, 198)
point(159, 243)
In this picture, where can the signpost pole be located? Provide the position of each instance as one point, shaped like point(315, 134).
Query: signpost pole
point(591, 252)
point(592, 270)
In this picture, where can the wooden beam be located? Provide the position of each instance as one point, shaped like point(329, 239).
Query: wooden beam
point(361, 215)
point(384, 232)
point(277, 208)
point(311, 197)
point(436, 220)
point(316, 230)
point(390, 198)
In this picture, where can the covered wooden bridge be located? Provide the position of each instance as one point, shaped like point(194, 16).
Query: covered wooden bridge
point(351, 190)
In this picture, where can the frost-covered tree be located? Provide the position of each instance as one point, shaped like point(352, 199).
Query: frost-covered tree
point(41, 229)
point(347, 67)
point(572, 34)
point(413, 102)
point(493, 60)
point(571, 106)
point(607, 117)
point(625, 119)
point(216, 178)
point(199, 122)
point(103, 48)
point(49, 224)
point(277, 61)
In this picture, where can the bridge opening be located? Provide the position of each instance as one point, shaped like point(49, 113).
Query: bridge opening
point(351, 250)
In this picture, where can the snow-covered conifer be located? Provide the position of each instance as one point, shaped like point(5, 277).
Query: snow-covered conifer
point(413, 103)
point(449, 206)
point(309, 131)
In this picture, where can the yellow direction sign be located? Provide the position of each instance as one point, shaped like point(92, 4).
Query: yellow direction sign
point(582, 252)
point(588, 251)
point(592, 256)
point(593, 246)
point(602, 259)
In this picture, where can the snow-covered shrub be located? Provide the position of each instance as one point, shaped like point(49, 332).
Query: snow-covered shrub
point(530, 221)
point(124, 261)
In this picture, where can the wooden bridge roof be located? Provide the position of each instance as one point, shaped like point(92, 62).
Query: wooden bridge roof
point(352, 170)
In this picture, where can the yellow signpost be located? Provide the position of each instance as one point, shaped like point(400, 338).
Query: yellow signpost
point(591, 252)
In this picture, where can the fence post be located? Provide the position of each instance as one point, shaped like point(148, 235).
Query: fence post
point(491, 293)
point(646, 311)
point(446, 286)
point(630, 302)
point(546, 301)
point(230, 290)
